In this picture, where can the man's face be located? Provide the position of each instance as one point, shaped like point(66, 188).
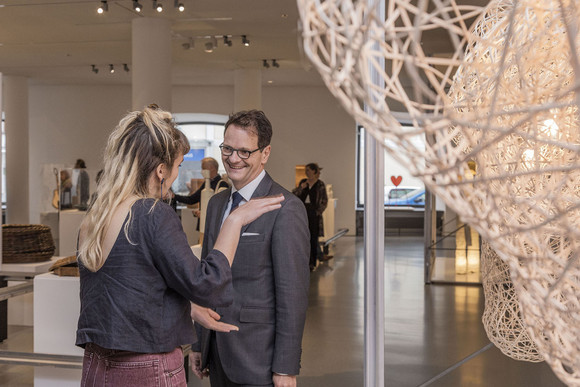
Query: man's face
point(242, 171)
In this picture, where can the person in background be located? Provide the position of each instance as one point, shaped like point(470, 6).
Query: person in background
point(210, 164)
point(138, 274)
point(270, 276)
point(216, 182)
point(312, 192)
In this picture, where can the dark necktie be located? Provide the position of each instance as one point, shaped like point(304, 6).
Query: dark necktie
point(236, 199)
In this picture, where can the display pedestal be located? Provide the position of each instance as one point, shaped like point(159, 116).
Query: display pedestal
point(56, 313)
point(328, 224)
point(189, 224)
point(18, 310)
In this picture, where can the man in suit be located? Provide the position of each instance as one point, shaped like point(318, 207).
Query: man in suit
point(270, 270)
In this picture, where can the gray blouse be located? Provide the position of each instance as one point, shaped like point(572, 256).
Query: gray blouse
point(139, 300)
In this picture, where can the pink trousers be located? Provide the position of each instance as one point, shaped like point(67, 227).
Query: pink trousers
point(109, 367)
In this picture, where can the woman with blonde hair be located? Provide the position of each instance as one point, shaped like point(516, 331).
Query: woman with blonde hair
point(137, 271)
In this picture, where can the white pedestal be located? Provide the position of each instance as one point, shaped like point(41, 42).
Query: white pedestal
point(68, 229)
point(189, 224)
point(20, 308)
point(328, 223)
point(56, 313)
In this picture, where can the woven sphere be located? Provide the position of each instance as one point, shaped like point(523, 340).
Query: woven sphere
point(502, 318)
point(500, 117)
point(516, 114)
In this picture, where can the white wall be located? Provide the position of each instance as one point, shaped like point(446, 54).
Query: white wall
point(310, 126)
point(66, 123)
point(70, 122)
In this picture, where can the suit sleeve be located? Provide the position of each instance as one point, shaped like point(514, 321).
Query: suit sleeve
point(290, 255)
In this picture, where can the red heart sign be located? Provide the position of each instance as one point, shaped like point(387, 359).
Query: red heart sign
point(396, 180)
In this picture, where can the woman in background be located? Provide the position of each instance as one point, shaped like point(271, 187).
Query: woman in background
point(137, 271)
point(312, 192)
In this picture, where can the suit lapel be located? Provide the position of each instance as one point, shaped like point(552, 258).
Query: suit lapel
point(221, 209)
point(262, 190)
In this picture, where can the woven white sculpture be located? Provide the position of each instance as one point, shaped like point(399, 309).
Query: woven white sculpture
point(500, 115)
point(502, 319)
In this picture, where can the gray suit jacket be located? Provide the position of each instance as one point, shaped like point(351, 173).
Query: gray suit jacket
point(271, 279)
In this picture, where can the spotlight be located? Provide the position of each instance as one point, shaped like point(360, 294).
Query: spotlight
point(104, 7)
point(179, 6)
point(188, 45)
point(245, 41)
point(227, 41)
point(95, 69)
point(211, 45)
point(265, 63)
point(275, 64)
point(111, 69)
point(125, 67)
point(157, 6)
point(136, 6)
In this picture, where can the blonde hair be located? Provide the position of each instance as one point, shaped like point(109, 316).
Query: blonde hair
point(139, 144)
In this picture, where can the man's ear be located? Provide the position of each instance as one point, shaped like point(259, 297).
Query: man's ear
point(266, 154)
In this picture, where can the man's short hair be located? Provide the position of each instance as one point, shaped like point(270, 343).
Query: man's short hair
point(254, 121)
point(211, 161)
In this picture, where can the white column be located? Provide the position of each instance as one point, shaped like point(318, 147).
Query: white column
point(374, 366)
point(247, 89)
point(151, 63)
point(17, 171)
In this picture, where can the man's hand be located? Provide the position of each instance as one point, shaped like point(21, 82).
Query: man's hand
point(195, 365)
point(284, 380)
point(209, 319)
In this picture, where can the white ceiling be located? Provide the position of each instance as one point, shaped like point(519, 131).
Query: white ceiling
point(57, 41)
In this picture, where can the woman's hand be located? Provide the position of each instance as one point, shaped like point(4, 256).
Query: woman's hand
point(255, 208)
point(229, 236)
point(209, 319)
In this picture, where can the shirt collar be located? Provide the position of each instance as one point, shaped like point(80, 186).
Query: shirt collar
point(248, 190)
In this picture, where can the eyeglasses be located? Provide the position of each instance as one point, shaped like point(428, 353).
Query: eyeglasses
point(242, 153)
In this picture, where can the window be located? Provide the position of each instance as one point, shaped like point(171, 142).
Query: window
point(205, 133)
point(398, 180)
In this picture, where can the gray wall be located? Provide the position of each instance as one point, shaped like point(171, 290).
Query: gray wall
point(69, 122)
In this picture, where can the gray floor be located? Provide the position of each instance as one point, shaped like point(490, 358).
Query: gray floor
point(430, 330)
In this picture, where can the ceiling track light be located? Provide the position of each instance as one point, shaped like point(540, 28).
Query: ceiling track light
point(104, 7)
point(136, 6)
point(157, 6)
point(94, 69)
point(188, 45)
point(111, 69)
point(180, 7)
point(275, 63)
point(211, 45)
point(245, 41)
point(265, 63)
point(227, 41)
point(125, 67)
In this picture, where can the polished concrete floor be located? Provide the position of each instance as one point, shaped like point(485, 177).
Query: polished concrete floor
point(433, 333)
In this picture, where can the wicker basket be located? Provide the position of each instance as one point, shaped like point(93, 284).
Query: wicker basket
point(26, 243)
